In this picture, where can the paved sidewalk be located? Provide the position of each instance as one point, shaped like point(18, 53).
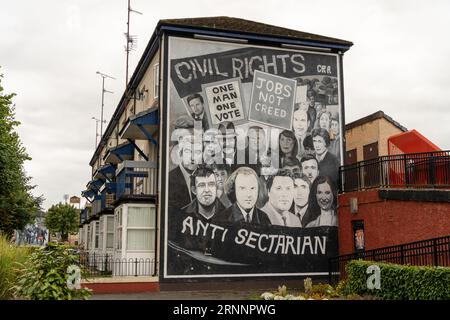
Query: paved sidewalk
point(181, 295)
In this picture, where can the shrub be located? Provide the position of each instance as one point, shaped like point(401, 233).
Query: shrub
point(400, 282)
point(11, 259)
point(325, 290)
point(45, 275)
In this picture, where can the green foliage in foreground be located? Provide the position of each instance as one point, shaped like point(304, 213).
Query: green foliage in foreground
point(17, 204)
point(400, 282)
point(11, 259)
point(45, 275)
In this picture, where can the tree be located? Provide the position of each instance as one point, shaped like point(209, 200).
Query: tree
point(17, 204)
point(62, 218)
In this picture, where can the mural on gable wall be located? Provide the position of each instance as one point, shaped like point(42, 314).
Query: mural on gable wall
point(254, 149)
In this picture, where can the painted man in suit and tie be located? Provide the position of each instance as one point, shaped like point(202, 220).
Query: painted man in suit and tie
point(281, 196)
point(302, 186)
point(243, 191)
point(190, 155)
point(196, 105)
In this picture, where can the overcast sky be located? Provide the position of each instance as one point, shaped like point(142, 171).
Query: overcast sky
point(50, 52)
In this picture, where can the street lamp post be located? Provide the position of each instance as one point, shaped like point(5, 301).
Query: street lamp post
point(103, 98)
point(96, 129)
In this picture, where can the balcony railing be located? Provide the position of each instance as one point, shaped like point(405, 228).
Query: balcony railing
point(96, 206)
point(413, 170)
point(84, 215)
point(136, 178)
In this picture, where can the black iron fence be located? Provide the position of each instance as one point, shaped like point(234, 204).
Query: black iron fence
point(104, 265)
point(432, 252)
point(413, 170)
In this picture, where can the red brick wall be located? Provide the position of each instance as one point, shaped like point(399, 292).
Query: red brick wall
point(390, 222)
point(122, 287)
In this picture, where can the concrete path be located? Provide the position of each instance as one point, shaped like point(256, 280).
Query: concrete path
point(181, 295)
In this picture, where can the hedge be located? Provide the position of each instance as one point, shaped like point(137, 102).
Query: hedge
point(400, 282)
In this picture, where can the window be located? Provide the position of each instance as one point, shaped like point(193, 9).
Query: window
point(141, 228)
point(100, 238)
point(359, 237)
point(156, 81)
point(118, 223)
point(89, 237)
point(97, 229)
point(109, 232)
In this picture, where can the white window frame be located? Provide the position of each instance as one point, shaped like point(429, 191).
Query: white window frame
point(109, 233)
point(152, 207)
point(100, 234)
point(118, 228)
point(89, 237)
point(96, 234)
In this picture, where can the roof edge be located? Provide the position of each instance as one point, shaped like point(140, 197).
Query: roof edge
point(374, 116)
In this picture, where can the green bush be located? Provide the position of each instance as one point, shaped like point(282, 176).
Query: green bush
point(45, 275)
point(11, 259)
point(323, 289)
point(399, 282)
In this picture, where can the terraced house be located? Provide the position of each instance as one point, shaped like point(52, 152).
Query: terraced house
point(189, 179)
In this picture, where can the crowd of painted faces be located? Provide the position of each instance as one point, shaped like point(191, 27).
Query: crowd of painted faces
point(215, 182)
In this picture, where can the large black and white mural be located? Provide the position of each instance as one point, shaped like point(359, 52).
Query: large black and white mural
point(254, 145)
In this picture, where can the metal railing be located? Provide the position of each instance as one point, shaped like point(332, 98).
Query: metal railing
point(413, 170)
point(84, 215)
point(104, 265)
point(96, 206)
point(431, 252)
point(136, 178)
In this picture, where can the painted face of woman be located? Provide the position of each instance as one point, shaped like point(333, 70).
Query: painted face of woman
point(324, 196)
point(286, 144)
point(324, 121)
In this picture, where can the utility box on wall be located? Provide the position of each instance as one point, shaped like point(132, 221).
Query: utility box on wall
point(353, 205)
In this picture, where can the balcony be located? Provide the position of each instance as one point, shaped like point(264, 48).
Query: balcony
point(84, 215)
point(427, 170)
point(96, 206)
point(104, 201)
point(136, 180)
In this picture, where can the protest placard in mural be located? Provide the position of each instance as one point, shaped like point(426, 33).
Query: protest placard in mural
point(225, 101)
point(272, 101)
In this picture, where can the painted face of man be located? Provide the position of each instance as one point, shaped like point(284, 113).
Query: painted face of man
point(256, 139)
point(292, 169)
point(192, 155)
point(335, 127)
point(311, 169)
point(182, 135)
point(286, 144)
point(303, 105)
point(319, 145)
point(324, 196)
point(221, 177)
point(324, 121)
point(228, 143)
point(246, 187)
point(281, 193)
point(300, 123)
point(301, 192)
point(211, 144)
point(205, 190)
point(196, 106)
point(312, 101)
